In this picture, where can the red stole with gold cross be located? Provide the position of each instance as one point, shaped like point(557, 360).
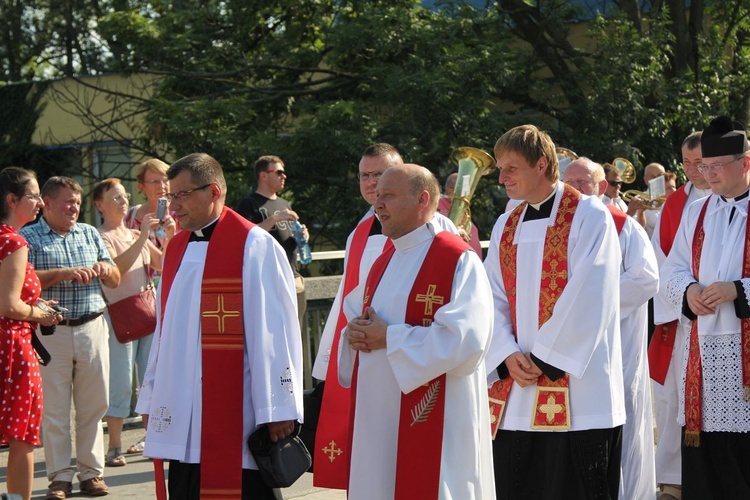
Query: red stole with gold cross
point(552, 399)
point(422, 411)
point(694, 369)
point(332, 434)
point(662, 342)
point(222, 345)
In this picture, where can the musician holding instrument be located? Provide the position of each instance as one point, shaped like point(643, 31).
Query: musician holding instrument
point(444, 207)
point(614, 183)
point(639, 207)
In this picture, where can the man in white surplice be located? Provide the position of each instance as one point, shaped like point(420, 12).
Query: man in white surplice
point(579, 339)
point(639, 281)
point(272, 346)
point(395, 357)
point(714, 305)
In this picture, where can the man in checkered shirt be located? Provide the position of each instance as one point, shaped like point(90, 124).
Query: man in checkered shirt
point(72, 262)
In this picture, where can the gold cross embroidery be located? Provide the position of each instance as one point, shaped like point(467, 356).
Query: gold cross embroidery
point(551, 408)
point(554, 275)
point(220, 313)
point(429, 299)
point(332, 451)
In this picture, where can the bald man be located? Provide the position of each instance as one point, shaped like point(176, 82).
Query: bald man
point(639, 281)
point(415, 346)
point(365, 243)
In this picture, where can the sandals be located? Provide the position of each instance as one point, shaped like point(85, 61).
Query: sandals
point(137, 448)
point(114, 458)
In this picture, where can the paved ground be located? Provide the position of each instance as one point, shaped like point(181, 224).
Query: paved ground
point(136, 480)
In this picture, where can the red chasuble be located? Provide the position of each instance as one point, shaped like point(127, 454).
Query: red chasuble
point(694, 369)
point(422, 410)
point(222, 344)
point(332, 434)
point(552, 400)
point(662, 342)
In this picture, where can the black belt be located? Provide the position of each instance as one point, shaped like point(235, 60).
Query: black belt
point(82, 320)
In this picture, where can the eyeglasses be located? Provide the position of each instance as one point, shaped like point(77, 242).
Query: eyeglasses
point(183, 194)
point(615, 183)
point(164, 182)
point(34, 197)
point(278, 172)
point(366, 176)
point(120, 198)
point(715, 167)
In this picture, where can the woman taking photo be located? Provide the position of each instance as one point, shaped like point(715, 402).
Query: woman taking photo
point(20, 310)
point(153, 183)
point(135, 255)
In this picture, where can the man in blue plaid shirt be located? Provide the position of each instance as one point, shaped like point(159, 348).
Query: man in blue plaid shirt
point(72, 262)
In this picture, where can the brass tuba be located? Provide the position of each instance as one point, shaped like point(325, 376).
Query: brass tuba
point(472, 164)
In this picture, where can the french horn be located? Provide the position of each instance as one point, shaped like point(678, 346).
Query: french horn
point(625, 169)
point(473, 164)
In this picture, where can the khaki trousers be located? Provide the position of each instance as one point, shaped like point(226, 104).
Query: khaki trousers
point(79, 369)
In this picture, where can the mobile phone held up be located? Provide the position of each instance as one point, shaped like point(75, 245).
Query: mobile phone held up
point(161, 209)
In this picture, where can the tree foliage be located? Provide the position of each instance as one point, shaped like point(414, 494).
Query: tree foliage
point(316, 81)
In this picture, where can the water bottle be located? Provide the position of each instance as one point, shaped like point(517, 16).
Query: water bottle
point(305, 255)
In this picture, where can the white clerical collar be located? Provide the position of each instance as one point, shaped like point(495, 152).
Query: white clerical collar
point(537, 205)
point(741, 197)
point(199, 232)
point(410, 240)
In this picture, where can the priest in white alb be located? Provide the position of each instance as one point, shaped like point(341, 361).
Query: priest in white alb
point(708, 285)
point(226, 357)
point(665, 350)
point(555, 362)
point(414, 355)
point(639, 281)
point(363, 246)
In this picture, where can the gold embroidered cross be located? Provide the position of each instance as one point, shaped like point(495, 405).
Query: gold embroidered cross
point(430, 298)
point(220, 313)
point(554, 275)
point(551, 408)
point(332, 451)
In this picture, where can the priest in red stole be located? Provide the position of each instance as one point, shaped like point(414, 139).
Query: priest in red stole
point(639, 281)
point(665, 350)
point(707, 278)
point(364, 245)
point(226, 357)
point(555, 362)
point(413, 353)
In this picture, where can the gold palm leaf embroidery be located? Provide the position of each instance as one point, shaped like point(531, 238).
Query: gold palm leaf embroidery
point(422, 410)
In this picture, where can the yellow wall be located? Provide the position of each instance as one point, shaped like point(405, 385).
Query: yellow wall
point(80, 110)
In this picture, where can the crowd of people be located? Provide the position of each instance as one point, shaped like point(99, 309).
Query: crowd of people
point(525, 374)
